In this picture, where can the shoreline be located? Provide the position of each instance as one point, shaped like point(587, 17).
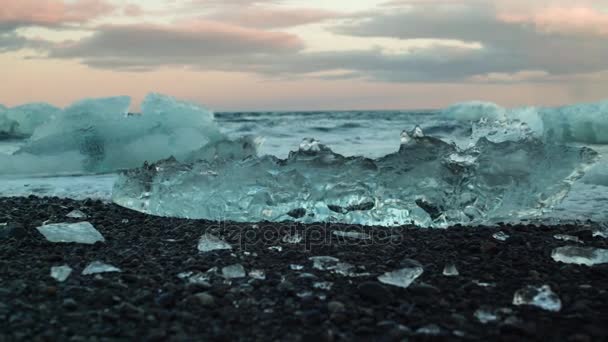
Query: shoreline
point(148, 301)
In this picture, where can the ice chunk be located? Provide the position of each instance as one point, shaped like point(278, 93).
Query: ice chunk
point(488, 315)
point(565, 237)
point(209, 242)
point(21, 122)
point(430, 329)
point(427, 182)
point(81, 232)
point(77, 214)
point(450, 270)
point(296, 267)
point(275, 248)
point(61, 273)
point(99, 267)
point(580, 255)
point(234, 271)
point(351, 235)
point(324, 263)
point(98, 135)
point(403, 277)
point(500, 236)
point(257, 274)
point(542, 297)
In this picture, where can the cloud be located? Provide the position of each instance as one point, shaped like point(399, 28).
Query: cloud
point(509, 46)
point(273, 17)
point(142, 47)
point(565, 20)
point(51, 12)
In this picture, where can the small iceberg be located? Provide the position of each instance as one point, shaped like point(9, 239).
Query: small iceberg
point(234, 271)
point(208, 243)
point(403, 277)
point(580, 255)
point(450, 270)
point(81, 232)
point(542, 297)
point(500, 236)
point(76, 214)
point(61, 273)
point(96, 267)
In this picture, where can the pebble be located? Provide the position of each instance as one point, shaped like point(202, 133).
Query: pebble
point(205, 299)
point(375, 292)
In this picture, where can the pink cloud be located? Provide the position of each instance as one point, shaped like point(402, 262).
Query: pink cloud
point(577, 20)
point(52, 12)
point(132, 10)
point(274, 17)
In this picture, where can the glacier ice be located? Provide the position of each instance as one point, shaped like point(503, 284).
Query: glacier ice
point(450, 270)
point(403, 277)
point(81, 232)
point(426, 182)
point(20, 122)
point(100, 135)
point(61, 273)
point(585, 122)
point(588, 256)
point(96, 267)
point(542, 297)
point(209, 242)
point(233, 271)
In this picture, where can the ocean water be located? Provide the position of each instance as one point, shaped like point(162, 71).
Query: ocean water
point(351, 133)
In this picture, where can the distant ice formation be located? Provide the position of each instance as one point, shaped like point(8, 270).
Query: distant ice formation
point(585, 123)
point(99, 135)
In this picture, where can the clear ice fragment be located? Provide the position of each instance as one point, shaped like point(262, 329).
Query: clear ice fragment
point(234, 271)
point(324, 263)
point(81, 232)
point(257, 274)
point(403, 277)
point(275, 248)
point(77, 214)
point(61, 273)
point(500, 236)
point(542, 297)
point(450, 270)
point(209, 242)
point(99, 267)
point(580, 255)
point(296, 267)
point(564, 237)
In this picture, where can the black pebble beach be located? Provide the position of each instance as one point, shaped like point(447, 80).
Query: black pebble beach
point(147, 301)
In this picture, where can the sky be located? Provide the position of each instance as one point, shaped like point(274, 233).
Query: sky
point(306, 54)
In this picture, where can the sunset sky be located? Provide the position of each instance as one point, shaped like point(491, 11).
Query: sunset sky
point(306, 54)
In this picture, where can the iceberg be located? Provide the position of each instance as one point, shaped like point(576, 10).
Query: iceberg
point(20, 122)
point(81, 232)
point(100, 135)
point(542, 297)
point(427, 182)
point(96, 267)
point(588, 256)
point(583, 123)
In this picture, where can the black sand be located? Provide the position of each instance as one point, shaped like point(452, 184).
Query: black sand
point(147, 301)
